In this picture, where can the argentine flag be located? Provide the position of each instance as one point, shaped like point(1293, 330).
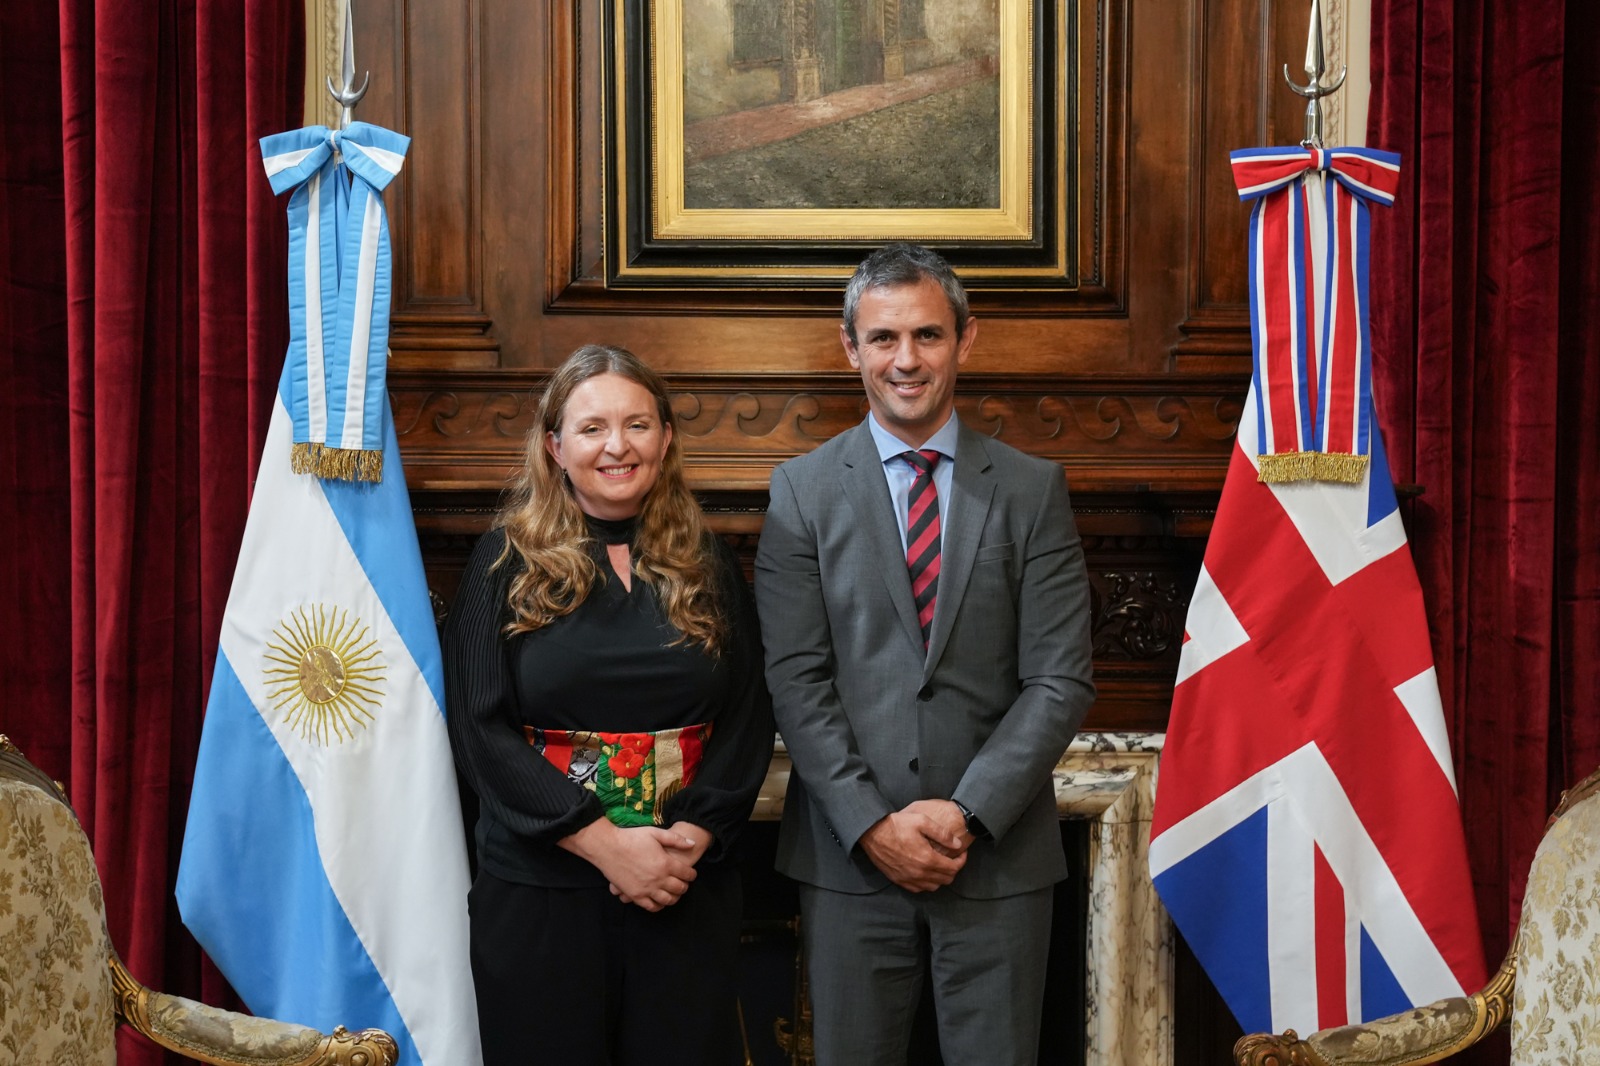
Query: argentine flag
point(324, 865)
point(324, 868)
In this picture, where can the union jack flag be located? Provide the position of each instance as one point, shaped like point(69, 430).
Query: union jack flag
point(1307, 835)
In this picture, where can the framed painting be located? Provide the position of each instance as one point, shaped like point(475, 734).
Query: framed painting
point(768, 144)
point(800, 121)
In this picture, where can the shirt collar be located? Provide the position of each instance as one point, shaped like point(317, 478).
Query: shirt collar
point(890, 446)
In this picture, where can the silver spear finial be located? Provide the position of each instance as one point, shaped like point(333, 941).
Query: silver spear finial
point(349, 96)
point(1316, 68)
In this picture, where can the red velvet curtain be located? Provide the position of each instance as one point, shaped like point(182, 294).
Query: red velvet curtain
point(144, 298)
point(1487, 355)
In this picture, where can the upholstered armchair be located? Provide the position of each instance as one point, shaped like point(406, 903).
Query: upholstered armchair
point(1549, 983)
point(63, 990)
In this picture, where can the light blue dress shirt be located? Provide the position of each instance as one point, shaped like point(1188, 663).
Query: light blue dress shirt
point(900, 474)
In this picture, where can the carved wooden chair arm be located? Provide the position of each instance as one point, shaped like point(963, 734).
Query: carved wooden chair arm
point(1413, 1037)
point(225, 1038)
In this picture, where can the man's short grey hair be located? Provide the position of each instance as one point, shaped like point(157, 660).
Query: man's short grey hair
point(903, 264)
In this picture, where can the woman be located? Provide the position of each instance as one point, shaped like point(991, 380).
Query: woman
point(606, 702)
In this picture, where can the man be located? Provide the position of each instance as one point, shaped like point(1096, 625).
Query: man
point(925, 611)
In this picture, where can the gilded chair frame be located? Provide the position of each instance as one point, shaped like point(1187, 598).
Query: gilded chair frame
point(204, 1033)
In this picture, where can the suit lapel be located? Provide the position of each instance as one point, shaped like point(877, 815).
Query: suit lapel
point(868, 492)
point(973, 490)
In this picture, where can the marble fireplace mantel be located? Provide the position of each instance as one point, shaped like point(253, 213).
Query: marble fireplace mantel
point(1108, 779)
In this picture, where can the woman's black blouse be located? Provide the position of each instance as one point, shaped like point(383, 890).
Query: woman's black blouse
point(610, 665)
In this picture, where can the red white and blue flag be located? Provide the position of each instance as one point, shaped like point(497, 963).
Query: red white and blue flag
point(1307, 836)
point(1309, 241)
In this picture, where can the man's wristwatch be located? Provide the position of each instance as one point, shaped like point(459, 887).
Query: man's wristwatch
point(974, 826)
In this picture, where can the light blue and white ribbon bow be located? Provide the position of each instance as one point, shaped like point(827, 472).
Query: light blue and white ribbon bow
point(340, 281)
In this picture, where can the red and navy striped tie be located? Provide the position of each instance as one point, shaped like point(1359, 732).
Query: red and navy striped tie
point(922, 537)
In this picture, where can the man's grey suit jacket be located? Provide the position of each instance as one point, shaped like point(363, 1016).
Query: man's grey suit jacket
point(874, 723)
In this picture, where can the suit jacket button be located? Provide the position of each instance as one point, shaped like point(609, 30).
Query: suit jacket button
point(925, 693)
point(913, 766)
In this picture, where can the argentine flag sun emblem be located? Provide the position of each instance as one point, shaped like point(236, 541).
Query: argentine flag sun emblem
point(324, 673)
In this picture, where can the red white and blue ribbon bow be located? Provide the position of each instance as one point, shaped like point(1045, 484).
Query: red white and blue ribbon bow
point(1310, 245)
point(339, 291)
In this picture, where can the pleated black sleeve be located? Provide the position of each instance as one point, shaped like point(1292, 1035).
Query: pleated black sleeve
point(520, 795)
point(740, 750)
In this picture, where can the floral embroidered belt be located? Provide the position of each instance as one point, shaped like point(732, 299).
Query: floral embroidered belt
point(633, 774)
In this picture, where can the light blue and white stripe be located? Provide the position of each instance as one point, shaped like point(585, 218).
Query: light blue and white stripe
point(340, 272)
point(327, 876)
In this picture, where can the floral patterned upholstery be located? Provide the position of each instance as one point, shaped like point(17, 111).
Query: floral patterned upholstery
point(1555, 1017)
point(55, 989)
point(1554, 1003)
point(62, 988)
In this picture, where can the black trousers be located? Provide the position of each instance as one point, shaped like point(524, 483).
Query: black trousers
point(573, 977)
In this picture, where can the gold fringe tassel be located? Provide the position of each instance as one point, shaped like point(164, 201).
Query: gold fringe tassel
point(1285, 467)
point(303, 457)
point(1280, 468)
point(336, 464)
point(1340, 468)
point(350, 464)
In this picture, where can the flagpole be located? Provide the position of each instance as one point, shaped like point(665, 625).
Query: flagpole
point(1313, 91)
point(349, 96)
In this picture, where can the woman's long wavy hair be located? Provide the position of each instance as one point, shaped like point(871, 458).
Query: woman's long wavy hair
point(546, 528)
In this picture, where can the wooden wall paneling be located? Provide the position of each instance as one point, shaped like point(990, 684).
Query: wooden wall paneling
point(430, 91)
point(1096, 123)
point(574, 171)
point(1232, 62)
point(512, 123)
point(565, 255)
point(1238, 57)
point(1101, 118)
point(1156, 174)
point(463, 430)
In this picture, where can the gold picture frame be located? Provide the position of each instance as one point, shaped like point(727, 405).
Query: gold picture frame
point(1011, 219)
point(657, 237)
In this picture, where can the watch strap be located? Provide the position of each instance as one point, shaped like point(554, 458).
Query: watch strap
point(975, 825)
